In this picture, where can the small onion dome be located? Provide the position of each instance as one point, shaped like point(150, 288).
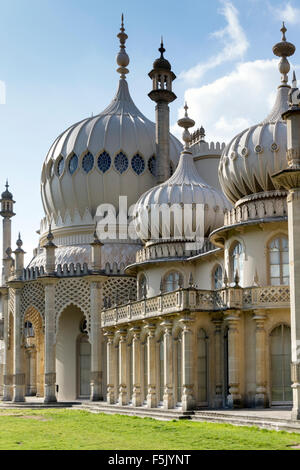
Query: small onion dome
point(185, 187)
point(7, 195)
point(161, 62)
point(255, 154)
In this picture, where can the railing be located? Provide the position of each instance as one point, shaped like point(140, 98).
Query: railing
point(169, 250)
point(199, 300)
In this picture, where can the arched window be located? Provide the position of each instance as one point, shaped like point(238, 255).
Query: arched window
point(278, 249)
point(237, 257)
point(172, 281)
point(142, 287)
point(217, 277)
point(280, 364)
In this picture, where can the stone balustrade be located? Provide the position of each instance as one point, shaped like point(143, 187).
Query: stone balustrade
point(170, 250)
point(192, 299)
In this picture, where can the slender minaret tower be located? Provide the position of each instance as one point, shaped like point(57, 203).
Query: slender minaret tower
point(162, 78)
point(7, 205)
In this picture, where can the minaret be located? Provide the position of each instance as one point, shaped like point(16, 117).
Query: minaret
point(7, 205)
point(162, 78)
point(290, 180)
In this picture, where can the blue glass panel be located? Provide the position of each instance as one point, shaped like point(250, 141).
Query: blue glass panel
point(152, 165)
point(138, 164)
point(121, 162)
point(104, 162)
point(60, 166)
point(88, 162)
point(73, 164)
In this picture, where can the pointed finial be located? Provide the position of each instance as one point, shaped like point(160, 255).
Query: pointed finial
point(19, 241)
point(162, 49)
point(122, 57)
point(284, 49)
point(225, 279)
point(6, 184)
point(186, 123)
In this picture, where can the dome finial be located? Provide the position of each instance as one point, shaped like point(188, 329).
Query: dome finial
point(186, 123)
point(122, 57)
point(284, 49)
point(162, 49)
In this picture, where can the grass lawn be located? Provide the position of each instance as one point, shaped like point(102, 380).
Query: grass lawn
point(76, 429)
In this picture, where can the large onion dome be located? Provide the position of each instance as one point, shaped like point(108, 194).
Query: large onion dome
point(99, 158)
point(185, 187)
point(256, 153)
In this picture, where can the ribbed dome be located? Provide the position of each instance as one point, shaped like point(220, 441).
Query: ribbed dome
point(250, 159)
point(100, 158)
point(184, 187)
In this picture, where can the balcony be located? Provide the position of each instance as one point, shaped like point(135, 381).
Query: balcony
point(198, 300)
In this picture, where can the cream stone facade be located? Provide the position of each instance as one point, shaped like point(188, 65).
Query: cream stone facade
point(160, 321)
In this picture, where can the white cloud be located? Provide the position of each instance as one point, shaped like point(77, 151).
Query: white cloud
point(235, 101)
point(286, 13)
point(234, 42)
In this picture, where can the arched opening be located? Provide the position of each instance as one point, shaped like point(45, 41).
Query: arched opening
point(237, 262)
point(217, 277)
point(73, 355)
point(142, 286)
point(202, 369)
point(172, 281)
point(34, 353)
point(280, 343)
point(278, 258)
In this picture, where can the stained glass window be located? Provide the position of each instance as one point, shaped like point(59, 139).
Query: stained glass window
point(104, 162)
point(121, 162)
point(73, 164)
point(152, 165)
point(88, 162)
point(138, 164)
point(60, 166)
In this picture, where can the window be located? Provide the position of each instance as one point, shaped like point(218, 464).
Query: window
point(217, 277)
point(237, 255)
point(142, 289)
point(138, 164)
point(279, 261)
point(73, 164)
point(172, 281)
point(121, 162)
point(28, 330)
point(88, 162)
point(104, 162)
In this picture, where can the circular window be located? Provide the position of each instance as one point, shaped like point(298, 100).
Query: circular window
point(60, 166)
point(88, 162)
point(152, 165)
point(121, 162)
point(104, 162)
point(138, 164)
point(73, 164)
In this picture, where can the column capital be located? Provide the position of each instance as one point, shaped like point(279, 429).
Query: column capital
point(136, 331)
point(232, 316)
point(48, 281)
point(187, 320)
point(167, 325)
point(151, 328)
point(123, 333)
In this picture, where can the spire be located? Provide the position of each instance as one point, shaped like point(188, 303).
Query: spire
point(284, 49)
point(186, 123)
point(122, 57)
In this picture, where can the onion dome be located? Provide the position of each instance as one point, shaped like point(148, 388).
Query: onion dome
point(249, 160)
point(99, 158)
point(185, 187)
point(7, 195)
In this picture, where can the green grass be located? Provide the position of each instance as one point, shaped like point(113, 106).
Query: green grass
point(76, 429)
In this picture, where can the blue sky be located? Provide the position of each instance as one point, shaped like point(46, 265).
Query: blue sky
point(57, 59)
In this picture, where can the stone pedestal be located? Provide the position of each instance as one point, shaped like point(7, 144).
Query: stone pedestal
point(151, 351)
point(261, 399)
point(136, 352)
point(168, 398)
point(50, 365)
point(188, 401)
point(234, 399)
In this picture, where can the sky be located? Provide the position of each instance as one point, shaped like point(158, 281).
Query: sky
point(57, 63)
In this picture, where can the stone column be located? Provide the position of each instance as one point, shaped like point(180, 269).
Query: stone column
point(123, 367)
point(136, 352)
point(188, 401)
point(110, 397)
point(234, 397)
point(96, 342)
point(7, 378)
point(151, 351)
point(168, 398)
point(218, 399)
point(32, 372)
point(261, 400)
point(19, 375)
point(50, 365)
point(162, 113)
